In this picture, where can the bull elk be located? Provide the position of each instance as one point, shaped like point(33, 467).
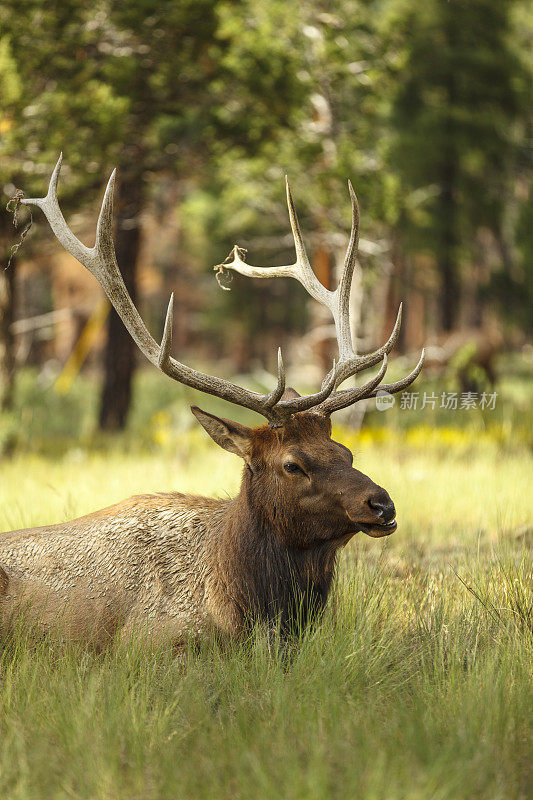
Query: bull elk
point(183, 565)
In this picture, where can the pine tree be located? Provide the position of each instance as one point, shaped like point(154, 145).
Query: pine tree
point(453, 106)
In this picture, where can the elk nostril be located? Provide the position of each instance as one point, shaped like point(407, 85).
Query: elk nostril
point(383, 509)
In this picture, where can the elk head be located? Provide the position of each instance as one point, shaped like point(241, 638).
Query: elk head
point(301, 482)
point(295, 471)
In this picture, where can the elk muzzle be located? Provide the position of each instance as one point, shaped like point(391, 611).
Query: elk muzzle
point(368, 505)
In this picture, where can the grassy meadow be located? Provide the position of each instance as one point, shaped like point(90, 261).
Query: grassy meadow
point(416, 685)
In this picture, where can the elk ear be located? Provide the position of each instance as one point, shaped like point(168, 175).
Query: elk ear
point(232, 436)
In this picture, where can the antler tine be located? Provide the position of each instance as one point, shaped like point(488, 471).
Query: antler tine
point(344, 335)
point(398, 386)
point(49, 205)
point(301, 269)
point(360, 363)
point(305, 275)
point(163, 360)
point(348, 397)
point(54, 178)
point(309, 401)
point(104, 226)
point(276, 394)
point(301, 255)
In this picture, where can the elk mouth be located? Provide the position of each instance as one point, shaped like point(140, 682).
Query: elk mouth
point(375, 529)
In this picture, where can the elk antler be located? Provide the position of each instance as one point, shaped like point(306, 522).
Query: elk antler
point(338, 302)
point(101, 261)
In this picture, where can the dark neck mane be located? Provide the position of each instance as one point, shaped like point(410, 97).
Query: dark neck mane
point(268, 579)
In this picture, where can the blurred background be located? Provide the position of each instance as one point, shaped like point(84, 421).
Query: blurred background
point(204, 106)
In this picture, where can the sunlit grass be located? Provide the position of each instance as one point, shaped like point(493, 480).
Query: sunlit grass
point(443, 493)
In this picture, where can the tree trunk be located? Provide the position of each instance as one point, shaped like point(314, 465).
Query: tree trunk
point(448, 198)
point(7, 312)
point(448, 256)
point(120, 350)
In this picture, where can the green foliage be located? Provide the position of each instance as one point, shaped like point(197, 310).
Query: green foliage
point(424, 105)
point(144, 85)
point(62, 102)
point(10, 87)
point(454, 96)
point(458, 101)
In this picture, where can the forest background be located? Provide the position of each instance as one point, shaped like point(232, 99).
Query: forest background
point(204, 106)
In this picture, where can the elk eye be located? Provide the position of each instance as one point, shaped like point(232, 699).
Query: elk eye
point(292, 468)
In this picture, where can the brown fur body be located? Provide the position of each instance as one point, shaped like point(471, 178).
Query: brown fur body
point(176, 565)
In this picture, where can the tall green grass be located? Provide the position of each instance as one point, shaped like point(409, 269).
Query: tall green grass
point(412, 687)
